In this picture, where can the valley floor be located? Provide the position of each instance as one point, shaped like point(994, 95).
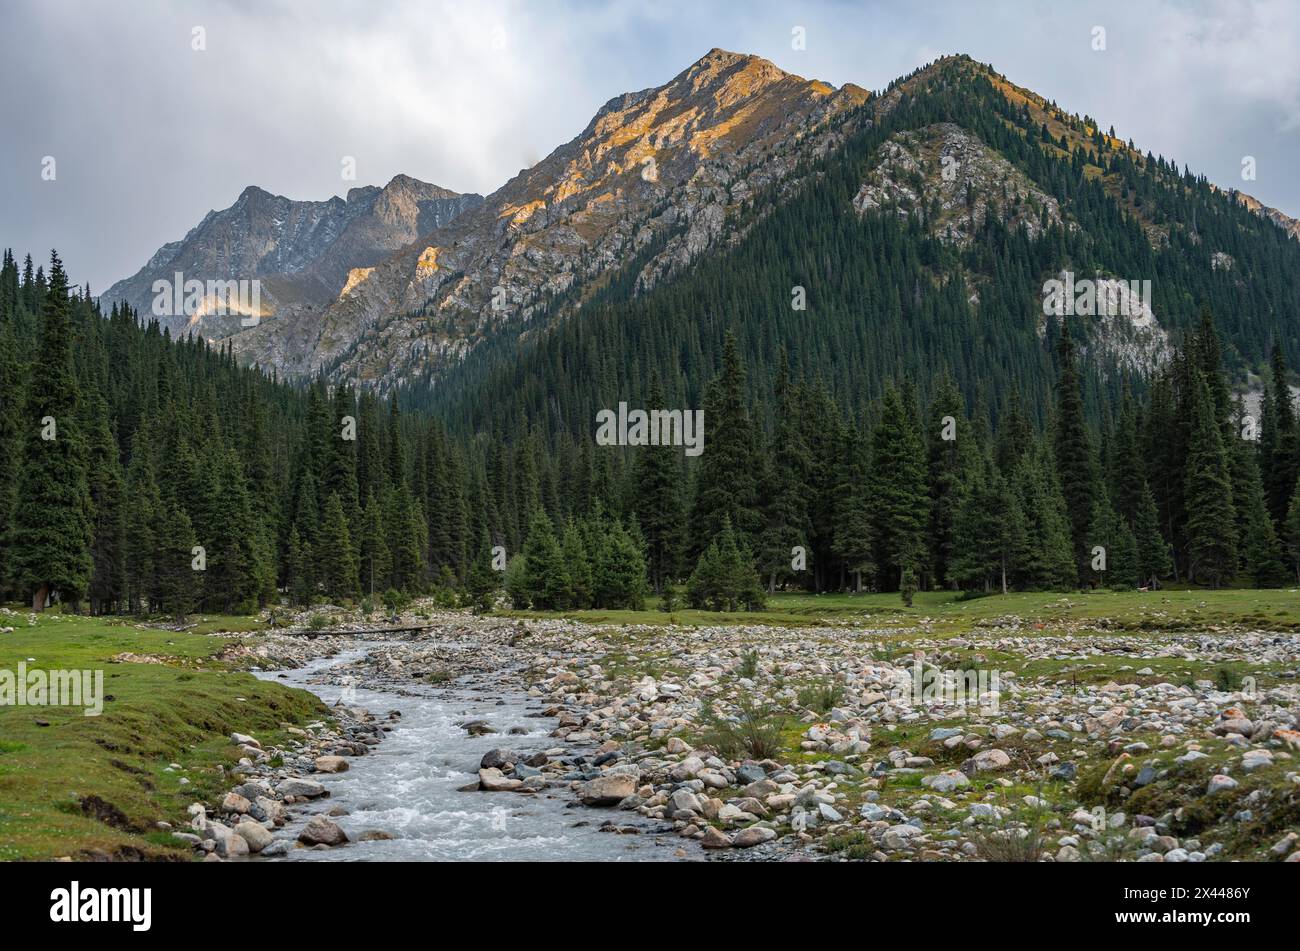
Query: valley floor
point(1154, 726)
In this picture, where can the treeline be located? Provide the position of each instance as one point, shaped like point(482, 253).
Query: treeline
point(1184, 486)
point(141, 474)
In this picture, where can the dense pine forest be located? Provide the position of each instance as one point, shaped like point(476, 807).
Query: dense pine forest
point(142, 474)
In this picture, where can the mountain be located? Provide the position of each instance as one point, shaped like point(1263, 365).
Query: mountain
point(923, 242)
point(995, 192)
point(303, 252)
point(667, 168)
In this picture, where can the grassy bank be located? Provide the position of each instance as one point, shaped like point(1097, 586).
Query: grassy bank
point(72, 785)
point(947, 612)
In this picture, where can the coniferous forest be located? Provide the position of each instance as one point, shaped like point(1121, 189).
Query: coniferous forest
point(143, 474)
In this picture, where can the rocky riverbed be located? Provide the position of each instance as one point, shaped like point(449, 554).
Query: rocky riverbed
point(825, 743)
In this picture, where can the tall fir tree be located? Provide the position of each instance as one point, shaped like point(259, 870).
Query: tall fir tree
point(727, 486)
point(658, 501)
point(1075, 461)
point(1211, 519)
point(899, 493)
point(49, 545)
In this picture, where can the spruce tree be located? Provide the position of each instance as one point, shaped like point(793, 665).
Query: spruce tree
point(578, 568)
point(49, 545)
point(483, 583)
point(1279, 439)
point(946, 434)
point(1211, 528)
point(1048, 561)
point(297, 570)
point(334, 554)
point(176, 580)
point(108, 582)
point(1075, 462)
point(11, 385)
point(786, 524)
point(1291, 530)
point(727, 486)
point(853, 539)
point(376, 561)
point(545, 580)
point(1153, 559)
point(658, 501)
point(1260, 550)
point(619, 573)
point(899, 496)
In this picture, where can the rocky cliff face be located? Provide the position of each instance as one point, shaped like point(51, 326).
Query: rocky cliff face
point(670, 167)
point(301, 252)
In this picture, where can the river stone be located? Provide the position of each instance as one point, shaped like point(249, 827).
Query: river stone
point(322, 830)
point(267, 810)
point(301, 788)
point(243, 739)
point(255, 834)
point(493, 780)
point(947, 781)
point(1220, 783)
point(685, 800)
point(234, 802)
point(232, 846)
point(1065, 773)
point(715, 839)
point(331, 764)
point(1238, 725)
point(899, 836)
point(498, 759)
point(986, 760)
point(607, 790)
point(754, 835)
point(750, 773)
point(686, 769)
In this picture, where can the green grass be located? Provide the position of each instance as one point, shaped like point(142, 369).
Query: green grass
point(179, 711)
point(946, 612)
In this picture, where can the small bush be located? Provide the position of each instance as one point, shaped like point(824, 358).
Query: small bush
point(1018, 836)
point(1227, 679)
point(757, 731)
point(748, 668)
point(822, 697)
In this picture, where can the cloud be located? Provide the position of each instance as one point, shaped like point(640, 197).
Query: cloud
point(150, 133)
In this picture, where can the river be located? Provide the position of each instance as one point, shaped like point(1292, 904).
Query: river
point(408, 785)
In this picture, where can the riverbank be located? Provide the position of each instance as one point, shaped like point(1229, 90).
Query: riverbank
point(1164, 734)
point(115, 786)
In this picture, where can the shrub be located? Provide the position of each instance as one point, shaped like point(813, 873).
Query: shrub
point(757, 731)
point(821, 697)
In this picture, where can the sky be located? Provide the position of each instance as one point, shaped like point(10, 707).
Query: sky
point(155, 112)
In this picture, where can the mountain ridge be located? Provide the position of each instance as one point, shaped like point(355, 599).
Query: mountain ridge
point(660, 176)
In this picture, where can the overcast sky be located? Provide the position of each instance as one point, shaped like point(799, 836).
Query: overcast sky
point(149, 133)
